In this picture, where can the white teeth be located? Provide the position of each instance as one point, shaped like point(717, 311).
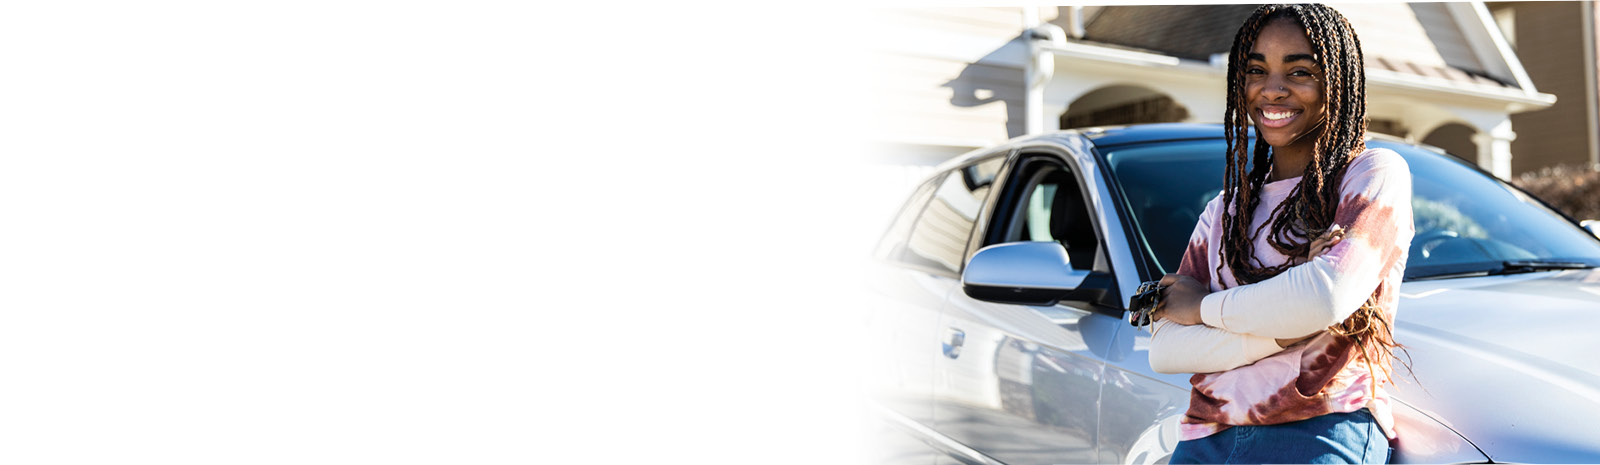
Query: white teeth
point(1272, 115)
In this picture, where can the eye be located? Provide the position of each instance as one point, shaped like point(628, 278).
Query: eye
point(1255, 70)
point(1301, 73)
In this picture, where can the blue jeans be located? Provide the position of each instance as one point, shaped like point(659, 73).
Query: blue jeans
point(1333, 438)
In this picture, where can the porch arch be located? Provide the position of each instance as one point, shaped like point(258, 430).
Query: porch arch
point(1455, 138)
point(1118, 104)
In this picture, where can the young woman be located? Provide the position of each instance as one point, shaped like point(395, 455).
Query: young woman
point(1286, 295)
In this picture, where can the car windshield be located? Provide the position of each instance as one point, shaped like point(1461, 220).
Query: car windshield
point(1467, 223)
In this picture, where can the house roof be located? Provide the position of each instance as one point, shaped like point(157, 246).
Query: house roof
point(1185, 31)
point(1416, 39)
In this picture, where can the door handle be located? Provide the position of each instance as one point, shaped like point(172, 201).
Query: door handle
point(953, 342)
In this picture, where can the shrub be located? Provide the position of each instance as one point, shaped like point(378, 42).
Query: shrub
point(1573, 189)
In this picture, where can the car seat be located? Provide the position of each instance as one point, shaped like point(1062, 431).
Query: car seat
point(1070, 223)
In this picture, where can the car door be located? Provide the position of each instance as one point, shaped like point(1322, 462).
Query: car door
point(1163, 188)
point(1021, 384)
point(918, 266)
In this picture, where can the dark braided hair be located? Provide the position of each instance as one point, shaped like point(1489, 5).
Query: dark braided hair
point(1309, 210)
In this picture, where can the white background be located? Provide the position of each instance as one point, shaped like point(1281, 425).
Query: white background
point(427, 232)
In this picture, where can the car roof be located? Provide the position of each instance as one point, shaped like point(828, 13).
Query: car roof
point(1111, 136)
point(1157, 132)
point(1106, 137)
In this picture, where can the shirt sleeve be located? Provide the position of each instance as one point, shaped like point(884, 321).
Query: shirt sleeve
point(1375, 211)
point(1176, 348)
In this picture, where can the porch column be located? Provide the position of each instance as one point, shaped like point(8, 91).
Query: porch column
point(1494, 149)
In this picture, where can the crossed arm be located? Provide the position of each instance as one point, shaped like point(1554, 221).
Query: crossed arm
point(1198, 331)
point(1183, 343)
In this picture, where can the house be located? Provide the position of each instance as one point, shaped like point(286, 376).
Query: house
point(949, 80)
point(1556, 43)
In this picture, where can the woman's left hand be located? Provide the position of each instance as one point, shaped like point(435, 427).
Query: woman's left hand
point(1181, 302)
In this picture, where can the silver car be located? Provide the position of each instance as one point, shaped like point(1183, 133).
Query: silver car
point(1000, 291)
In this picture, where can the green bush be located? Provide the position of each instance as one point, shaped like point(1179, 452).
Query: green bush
point(1573, 189)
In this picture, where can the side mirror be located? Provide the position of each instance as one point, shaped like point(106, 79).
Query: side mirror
point(1029, 273)
point(1593, 226)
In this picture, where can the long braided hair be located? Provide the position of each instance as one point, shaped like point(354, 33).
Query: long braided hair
point(1309, 210)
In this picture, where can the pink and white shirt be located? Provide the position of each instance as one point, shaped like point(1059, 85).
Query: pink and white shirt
point(1244, 378)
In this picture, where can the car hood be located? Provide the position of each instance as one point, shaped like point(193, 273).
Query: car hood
point(1510, 362)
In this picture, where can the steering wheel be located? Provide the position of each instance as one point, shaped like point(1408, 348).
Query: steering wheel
point(1423, 244)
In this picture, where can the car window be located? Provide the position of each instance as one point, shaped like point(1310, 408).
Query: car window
point(1467, 220)
point(1166, 186)
point(1464, 219)
point(939, 236)
point(894, 239)
point(1049, 208)
point(1036, 215)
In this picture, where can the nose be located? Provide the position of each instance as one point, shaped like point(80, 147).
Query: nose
point(1273, 88)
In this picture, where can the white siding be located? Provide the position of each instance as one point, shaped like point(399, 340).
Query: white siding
point(1394, 31)
point(946, 76)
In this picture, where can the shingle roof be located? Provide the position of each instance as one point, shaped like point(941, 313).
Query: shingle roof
point(1185, 31)
point(1447, 73)
point(1197, 32)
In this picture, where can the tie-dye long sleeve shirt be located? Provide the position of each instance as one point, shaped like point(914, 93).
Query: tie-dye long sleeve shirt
point(1244, 378)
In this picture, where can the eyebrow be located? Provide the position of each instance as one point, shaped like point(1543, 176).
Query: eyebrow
point(1286, 59)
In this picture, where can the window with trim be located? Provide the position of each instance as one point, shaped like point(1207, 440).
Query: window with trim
point(893, 241)
point(938, 239)
point(1047, 205)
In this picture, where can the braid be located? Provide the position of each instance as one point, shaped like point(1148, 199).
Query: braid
point(1237, 189)
point(1311, 207)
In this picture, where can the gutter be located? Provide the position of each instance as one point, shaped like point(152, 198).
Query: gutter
point(1039, 67)
point(1510, 99)
point(1517, 101)
point(1130, 57)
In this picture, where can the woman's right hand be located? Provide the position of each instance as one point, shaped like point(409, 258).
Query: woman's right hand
point(1180, 302)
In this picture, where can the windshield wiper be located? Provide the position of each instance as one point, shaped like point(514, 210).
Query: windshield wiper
point(1529, 266)
point(1489, 269)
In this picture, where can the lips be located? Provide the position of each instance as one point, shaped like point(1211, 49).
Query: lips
point(1276, 117)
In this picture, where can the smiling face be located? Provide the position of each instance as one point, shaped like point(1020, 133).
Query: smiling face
point(1283, 88)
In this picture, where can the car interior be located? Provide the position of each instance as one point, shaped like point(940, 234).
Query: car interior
point(1052, 208)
